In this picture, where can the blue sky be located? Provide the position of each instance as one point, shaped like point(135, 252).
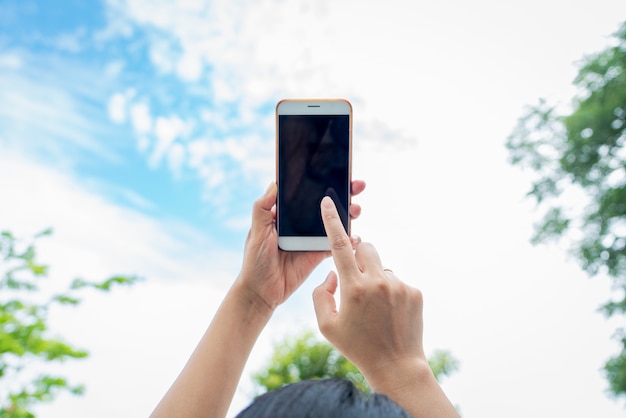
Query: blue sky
point(142, 131)
point(83, 86)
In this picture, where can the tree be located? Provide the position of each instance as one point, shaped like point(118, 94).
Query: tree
point(580, 152)
point(26, 342)
point(306, 357)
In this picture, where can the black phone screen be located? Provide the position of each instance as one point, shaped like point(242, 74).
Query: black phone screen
point(313, 162)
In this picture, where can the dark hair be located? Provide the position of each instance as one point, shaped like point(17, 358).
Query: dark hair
point(325, 398)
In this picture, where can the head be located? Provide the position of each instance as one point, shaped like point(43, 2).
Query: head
point(326, 398)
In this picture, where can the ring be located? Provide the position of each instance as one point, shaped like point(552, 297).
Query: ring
point(389, 270)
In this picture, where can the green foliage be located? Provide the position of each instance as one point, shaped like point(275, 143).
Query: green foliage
point(443, 364)
point(615, 368)
point(25, 338)
point(583, 151)
point(306, 357)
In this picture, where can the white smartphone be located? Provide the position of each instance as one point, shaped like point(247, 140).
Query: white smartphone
point(313, 160)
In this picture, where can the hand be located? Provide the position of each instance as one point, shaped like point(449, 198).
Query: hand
point(379, 324)
point(268, 275)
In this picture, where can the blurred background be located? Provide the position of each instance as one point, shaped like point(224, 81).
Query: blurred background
point(142, 131)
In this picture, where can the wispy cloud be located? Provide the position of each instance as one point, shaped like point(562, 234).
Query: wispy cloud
point(50, 106)
point(128, 331)
point(233, 65)
point(111, 239)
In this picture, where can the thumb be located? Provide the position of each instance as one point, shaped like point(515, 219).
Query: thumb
point(325, 305)
point(262, 210)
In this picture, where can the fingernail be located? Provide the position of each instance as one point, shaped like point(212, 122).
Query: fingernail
point(355, 239)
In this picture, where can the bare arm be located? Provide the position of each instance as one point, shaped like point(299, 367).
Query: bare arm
point(379, 324)
point(207, 383)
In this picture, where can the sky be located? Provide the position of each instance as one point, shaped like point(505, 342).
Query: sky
point(142, 131)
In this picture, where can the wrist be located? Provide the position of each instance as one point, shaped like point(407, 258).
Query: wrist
point(250, 301)
point(413, 386)
point(395, 377)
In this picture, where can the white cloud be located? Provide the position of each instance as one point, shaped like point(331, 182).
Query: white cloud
point(70, 42)
point(163, 56)
point(10, 60)
point(193, 6)
point(213, 176)
point(198, 151)
point(262, 49)
point(166, 130)
point(419, 74)
point(90, 223)
point(223, 87)
point(141, 119)
point(117, 108)
point(114, 68)
point(189, 67)
point(53, 105)
point(128, 332)
point(176, 158)
point(143, 143)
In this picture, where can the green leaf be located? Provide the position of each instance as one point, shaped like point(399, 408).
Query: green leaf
point(615, 371)
point(443, 364)
point(79, 284)
point(37, 269)
point(24, 332)
point(583, 150)
point(613, 307)
point(107, 284)
point(553, 226)
point(44, 233)
point(64, 299)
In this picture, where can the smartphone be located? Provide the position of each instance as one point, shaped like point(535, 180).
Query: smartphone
point(314, 159)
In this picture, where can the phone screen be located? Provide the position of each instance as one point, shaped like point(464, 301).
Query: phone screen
point(313, 162)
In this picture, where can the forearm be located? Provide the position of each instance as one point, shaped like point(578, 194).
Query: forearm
point(207, 383)
point(415, 388)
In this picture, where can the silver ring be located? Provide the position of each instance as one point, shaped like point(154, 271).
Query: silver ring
point(389, 270)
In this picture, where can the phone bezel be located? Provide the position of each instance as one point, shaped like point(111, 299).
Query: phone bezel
point(311, 107)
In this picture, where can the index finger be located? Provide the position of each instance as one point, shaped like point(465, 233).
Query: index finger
point(340, 244)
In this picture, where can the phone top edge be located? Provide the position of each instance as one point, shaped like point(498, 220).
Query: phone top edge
point(314, 107)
